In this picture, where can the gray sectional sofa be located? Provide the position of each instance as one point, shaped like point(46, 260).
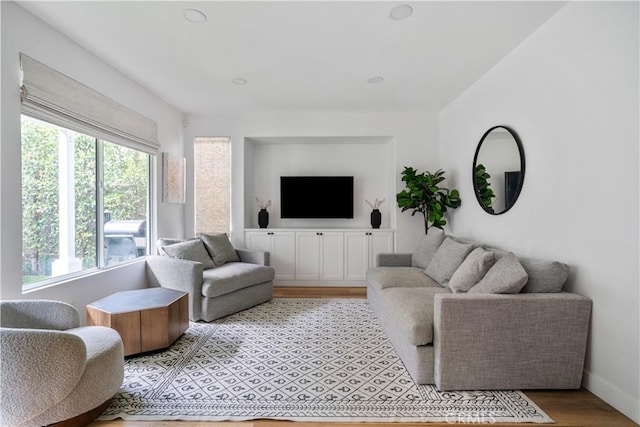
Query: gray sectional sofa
point(466, 317)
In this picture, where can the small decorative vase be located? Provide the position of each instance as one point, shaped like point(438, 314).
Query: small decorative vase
point(376, 218)
point(263, 218)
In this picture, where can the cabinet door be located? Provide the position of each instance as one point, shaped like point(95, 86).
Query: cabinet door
point(380, 242)
point(258, 241)
point(281, 248)
point(332, 255)
point(307, 255)
point(283, 254)
point(356, 248)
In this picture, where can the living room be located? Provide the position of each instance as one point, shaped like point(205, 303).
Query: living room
point(569, 88)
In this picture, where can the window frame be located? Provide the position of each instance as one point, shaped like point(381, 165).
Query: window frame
point(98, 185)
point(57, 99)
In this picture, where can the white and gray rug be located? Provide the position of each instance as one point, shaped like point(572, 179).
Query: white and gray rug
point(299, 360)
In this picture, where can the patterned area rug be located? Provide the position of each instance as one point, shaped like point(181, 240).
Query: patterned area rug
point(299, 360)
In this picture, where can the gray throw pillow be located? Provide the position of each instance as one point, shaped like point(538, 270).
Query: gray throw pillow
point(446, 260)
point(544, 276)
point(220, 248)
point(192, 250)
point(505, 277)
point(427, 247)
point(472, 270)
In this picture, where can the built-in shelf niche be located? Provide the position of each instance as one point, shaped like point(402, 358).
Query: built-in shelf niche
point(369, 159)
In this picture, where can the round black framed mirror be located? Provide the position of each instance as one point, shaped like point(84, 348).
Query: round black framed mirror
point(498, 169)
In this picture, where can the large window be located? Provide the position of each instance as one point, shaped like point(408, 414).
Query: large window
point(212, 171)
point(85, 202)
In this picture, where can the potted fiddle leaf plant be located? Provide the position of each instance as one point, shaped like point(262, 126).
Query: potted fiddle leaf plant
point(424, 195)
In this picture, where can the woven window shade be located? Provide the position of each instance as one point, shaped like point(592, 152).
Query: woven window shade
point(56, 98)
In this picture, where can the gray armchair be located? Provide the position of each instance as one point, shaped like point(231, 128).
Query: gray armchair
point(53, 370)
point(216, 291)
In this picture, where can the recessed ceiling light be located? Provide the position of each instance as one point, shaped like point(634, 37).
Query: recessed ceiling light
point(194, 15)
point(375, 80)
point(400, 12)
point(239, 81)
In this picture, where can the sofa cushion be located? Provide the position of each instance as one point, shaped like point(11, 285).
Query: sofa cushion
point(192, 250)
point(232, 276)
point(505, 277)
point(472, 270)
point(447, 259)
point(219, 248)
point(404, 277)
point(427, 247)
point(410, 312)
point(544, 276)
point(166, 241)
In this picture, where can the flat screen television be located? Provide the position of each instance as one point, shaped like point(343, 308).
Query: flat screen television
point(316, 197)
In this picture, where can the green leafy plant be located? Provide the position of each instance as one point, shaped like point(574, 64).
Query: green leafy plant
point(424, 195)
point(483, 187)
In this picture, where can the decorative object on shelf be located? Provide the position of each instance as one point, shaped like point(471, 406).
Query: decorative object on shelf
point(263, 214)
point(173, 178)
point(263, 218)
point(484, 193)
point(376, 216)
point(424, 195)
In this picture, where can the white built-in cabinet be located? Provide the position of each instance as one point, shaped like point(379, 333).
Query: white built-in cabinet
point(361, 250)
point(281, 248)
point(317, 257)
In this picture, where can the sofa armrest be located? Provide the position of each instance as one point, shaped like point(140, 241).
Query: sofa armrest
point(38, 314)
point(519, 341)
point(178, 274)
point(393, 260)
point(254, 257)
point(39, 368)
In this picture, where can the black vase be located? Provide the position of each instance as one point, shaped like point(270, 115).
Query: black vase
point(263, 218)
point(376, 218)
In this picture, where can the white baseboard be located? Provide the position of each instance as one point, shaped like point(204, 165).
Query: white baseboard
point(611, 394)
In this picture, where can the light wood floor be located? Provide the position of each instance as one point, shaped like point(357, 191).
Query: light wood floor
point(570, 408)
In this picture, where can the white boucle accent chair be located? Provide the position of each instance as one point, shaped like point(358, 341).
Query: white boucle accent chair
point(53, 370)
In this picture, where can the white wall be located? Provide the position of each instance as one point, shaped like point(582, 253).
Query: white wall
point(414, 143)
point(571, 93)
point(22, 32)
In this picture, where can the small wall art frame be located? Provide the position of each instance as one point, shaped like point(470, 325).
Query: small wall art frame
point(173, 178)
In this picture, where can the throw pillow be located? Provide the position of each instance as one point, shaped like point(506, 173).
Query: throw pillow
point(505, 277)
point(166, 241)
point(220, 248)
point(192, 250)
point(544, 276)
point(427, 247)
point(472, 270)
point(447, 259)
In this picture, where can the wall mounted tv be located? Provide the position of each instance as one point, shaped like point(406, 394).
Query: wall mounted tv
point(316, 197)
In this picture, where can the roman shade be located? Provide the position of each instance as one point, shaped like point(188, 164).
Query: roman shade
point(51, 96)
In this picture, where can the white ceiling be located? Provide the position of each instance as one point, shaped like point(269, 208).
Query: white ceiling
point(299, 56)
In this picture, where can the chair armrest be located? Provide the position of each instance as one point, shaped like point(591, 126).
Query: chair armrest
point(178, 274)
point(39, 369)
point(38, 314)
point(254, 257)
point(393, 260)
point(519, 341)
